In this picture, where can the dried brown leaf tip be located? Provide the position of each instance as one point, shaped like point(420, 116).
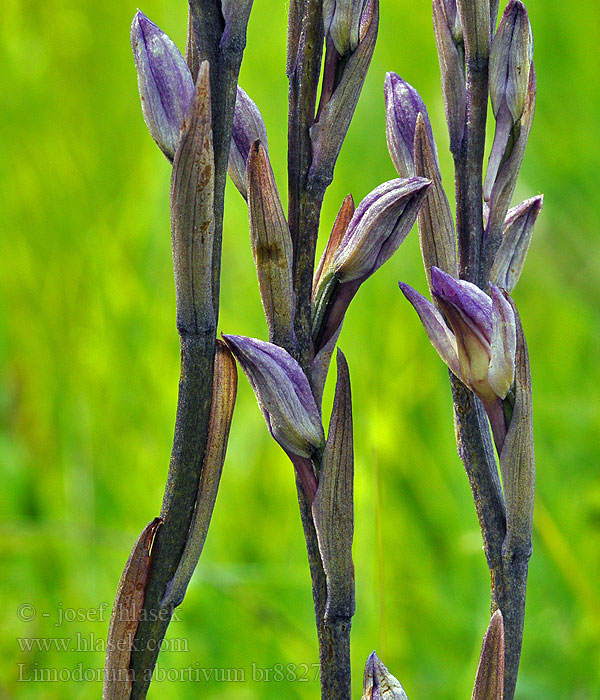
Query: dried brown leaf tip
point(125, 616)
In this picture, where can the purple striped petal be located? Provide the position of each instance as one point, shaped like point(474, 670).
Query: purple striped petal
point(439, 334)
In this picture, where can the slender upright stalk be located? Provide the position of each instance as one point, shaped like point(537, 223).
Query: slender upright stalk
point(469, 159)
point(507, 561)
point(305, 48)
point(197, 188)
point(476, 452)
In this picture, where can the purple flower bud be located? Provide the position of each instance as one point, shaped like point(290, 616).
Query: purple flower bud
point(377, 228)
point(283, 394)
point(248, 127)
point(341, 19)
point(402, 107)
point(481, 348)
point(518, 228)
point(511, 60)
point(379, 225)
point(378, 682)
point(164, 80)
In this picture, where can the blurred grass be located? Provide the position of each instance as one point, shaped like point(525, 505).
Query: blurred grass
point(89, 366)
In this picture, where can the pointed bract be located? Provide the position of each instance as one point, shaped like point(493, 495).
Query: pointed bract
point(508, 171)
point(436, 226)
point(221, 412)
point(402, 106)
point(489, 682)
point(164, 80)
point(283, 394)
point(518, 229)
point(332, 508)
point(248, 127)
point(271, 248)
point(517, 459)
point(448, 36)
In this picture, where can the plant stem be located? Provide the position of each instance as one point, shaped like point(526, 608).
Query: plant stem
point(476, 452)
point(305, 48)
point(508, 566)
point(512, 604)
point(197, 358)
point(469, 175)
point(196, 257)
point(224, 48)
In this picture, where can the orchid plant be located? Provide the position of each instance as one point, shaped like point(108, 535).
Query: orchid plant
point(206, 126)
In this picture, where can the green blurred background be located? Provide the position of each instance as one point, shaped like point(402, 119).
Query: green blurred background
point(89, 367)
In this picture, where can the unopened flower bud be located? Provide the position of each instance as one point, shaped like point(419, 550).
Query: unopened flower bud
point(248, 127)
point(403, 104)
point(378, 682)
point(341, 19)
point(164, 80)
point(511, 60)
point(377, 228)
point(379, 225)
point(283, 394)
